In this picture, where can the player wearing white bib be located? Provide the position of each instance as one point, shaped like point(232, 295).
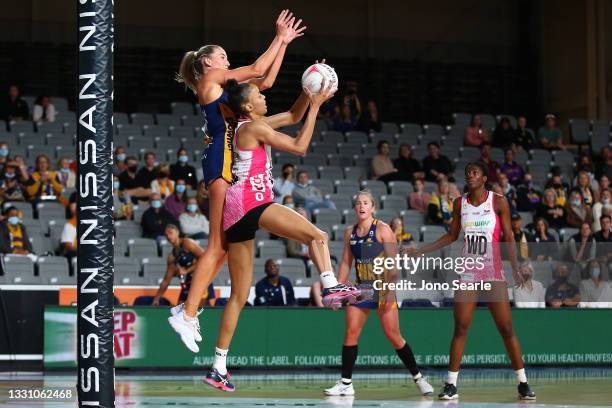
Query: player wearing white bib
point(485, 218)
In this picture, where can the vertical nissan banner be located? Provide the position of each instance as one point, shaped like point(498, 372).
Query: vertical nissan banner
point(94, 204)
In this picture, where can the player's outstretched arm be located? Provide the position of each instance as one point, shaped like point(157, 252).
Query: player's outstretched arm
point(446, 239)
point(503, 209)
point(347, 258)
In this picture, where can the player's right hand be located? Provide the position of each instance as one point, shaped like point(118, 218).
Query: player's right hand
point(326, 93)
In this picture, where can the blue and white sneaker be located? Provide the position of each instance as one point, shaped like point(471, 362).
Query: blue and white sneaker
point(216, 380)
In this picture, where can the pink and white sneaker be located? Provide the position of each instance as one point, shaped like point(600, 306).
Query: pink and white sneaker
point(216, 380)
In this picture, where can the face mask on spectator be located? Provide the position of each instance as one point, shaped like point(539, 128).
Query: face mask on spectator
point(121, 157)
point(605, 201)
point(115, 185)
point(180, 188)
point(9, 175)
point(3, 151)
point(595, 273)
point(192, 208)
point(290, 205)
point(576, 203)
point(156, 204)
point(183, 158)
point(562, 279)
point(65, 170)
point(133, 169)
point(14, 220)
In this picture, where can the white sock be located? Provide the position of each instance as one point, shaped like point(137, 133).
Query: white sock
point(220, 359)
point(520, 375)
point(328, 280)
point(188, 318)
point(452, 377)
point(346, 381)
point(417, 376)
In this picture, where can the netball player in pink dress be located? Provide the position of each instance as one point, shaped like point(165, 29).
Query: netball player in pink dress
point(249, 205)
point(484, 217)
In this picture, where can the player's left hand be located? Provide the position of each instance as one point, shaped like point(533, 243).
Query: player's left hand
point(292, 30)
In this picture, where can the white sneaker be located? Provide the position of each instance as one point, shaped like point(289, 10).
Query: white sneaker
point(178, 309)
point(424, 386)
point(187, 329)
point(340, 389)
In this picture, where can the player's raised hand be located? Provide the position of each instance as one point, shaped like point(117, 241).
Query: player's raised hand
point(327, 92)
point(282, 22)
point(293, 30)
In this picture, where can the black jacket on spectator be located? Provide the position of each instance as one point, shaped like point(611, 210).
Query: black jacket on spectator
point(366, 124)
point(5, 239)
point(144, 177)
point(442, 165)
point(154, 223)
point(266, 294)
point(502, 137)
point(185, 172)
point(406, 167)
point(524, 138)
point(16, 108)
point(527, 197)
point(542, 210)
point(126, 182)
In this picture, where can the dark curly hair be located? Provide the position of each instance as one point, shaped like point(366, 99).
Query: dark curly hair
point(237, 95)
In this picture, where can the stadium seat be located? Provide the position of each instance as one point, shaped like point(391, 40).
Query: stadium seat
point(154, 269)
point(511, 118)
point(140, 142)
point(120, 118)
point(24, 207)
point(222, 278)
point(430, 233)
point(293, 269)
point(487, 121)
point(413, 220)
point(182, 108)
point(128, 130)
point(22, 127)
point(338, 231)
point(40, 244)
point(400, 188)
point(19, 270)
point(389, 127)
point(142, 247)
point(377, 187)
point(45, 128)
point(180, 132)
point(469, 153)
point(330, 173)
point(395, 203)
point(579, 131)
point(376, 138)
point(462, 119)
point(30, 138)
point(314, 159)
point(540, 156)
point(332, 137)
point(54, 270)
point(411, 129)
point(354, 173)
point(357, 137)
point(327, 216)
point(127, 229)
point(385, 215)
point(433, 130)
point(50, 210)
point(340, 200)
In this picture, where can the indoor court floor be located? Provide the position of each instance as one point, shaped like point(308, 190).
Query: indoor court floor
point(555, 387)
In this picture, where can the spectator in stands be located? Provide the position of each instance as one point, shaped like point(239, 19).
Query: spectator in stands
point(68, 239)
point(202, 198)
point(351, 99)
point(440, 208)
point(15, 108)
point(43, 183)
point(66, 176)
point(162, 183)
point(603, 240)
point(550, 210)
point(544, 247)
point(561, 293)
point(12, 182)
point(524, 138)
point(435, 164)
point(183, 170)
point(119, 166)
point(507, 190)
point(344, 121)
point(531, 294)
point(604, 184)
point(122, 204)
point(504, 133)
point(550, 136)
point(583, 184)
point(521, 236)
point(527, 195)
point(193, 223)
point(370, 119)
point(576, 212)
point(475, 135)
point(177, 201)
point(274, 290)
point(492, 165)
point(4, 154)
point(147, 174)
point(582, 246)
point(419, 199)
point(408, 168)
point(295, 249)
point(382, 166)
point(315, 299)
point(283, 186)
point(560, 187)
point(604, 166)
point(14, 238)
point(288, 202)
point(602, 207)
point(595, 291)
point(128, 181)
point(585, 163)
point(156, 218)
point(308, 196)
point(404, 239)
point(511, 168)
point(44, 110)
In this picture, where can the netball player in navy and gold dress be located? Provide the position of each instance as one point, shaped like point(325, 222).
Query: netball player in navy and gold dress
point(365, 241)
point(205, 72)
